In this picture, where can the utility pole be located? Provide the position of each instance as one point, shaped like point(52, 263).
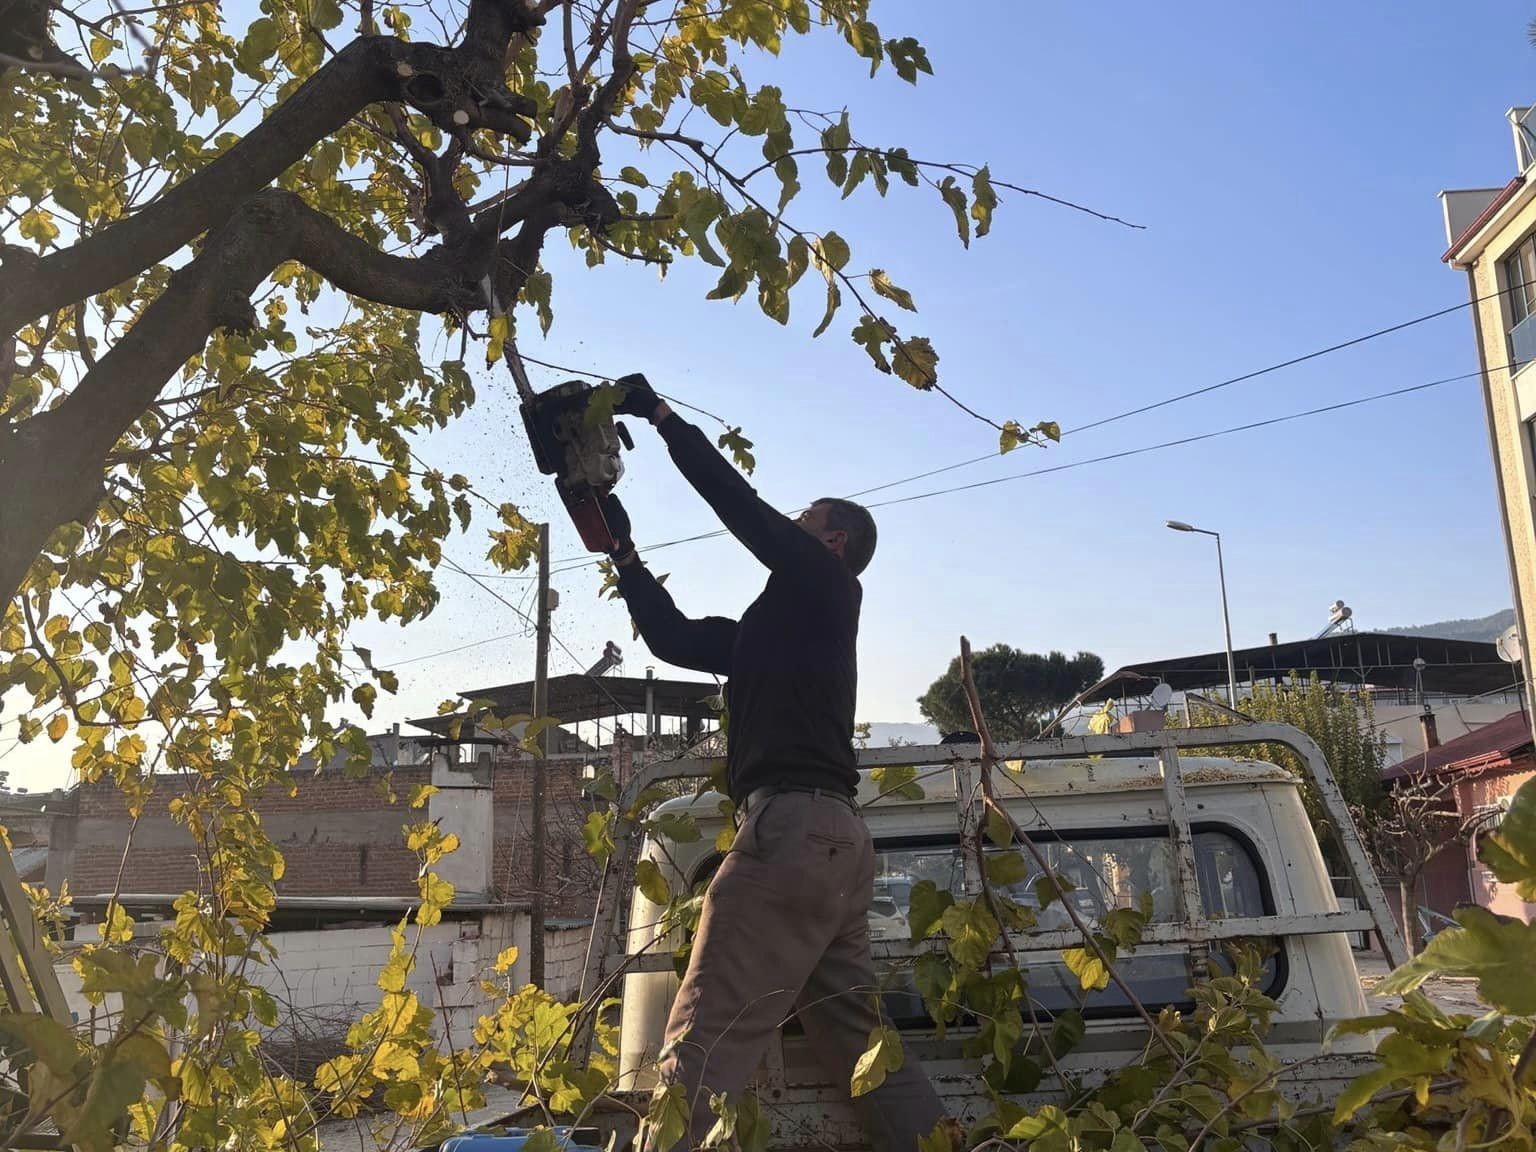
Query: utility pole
point(540, 765)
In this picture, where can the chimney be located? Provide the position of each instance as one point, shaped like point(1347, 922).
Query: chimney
point(1274, 639)
point(1430, 729)
point(464, 806)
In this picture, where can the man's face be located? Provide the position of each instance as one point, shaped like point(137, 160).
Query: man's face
point(814, 521)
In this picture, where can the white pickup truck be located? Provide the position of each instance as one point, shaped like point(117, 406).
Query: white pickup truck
point(1222, 846)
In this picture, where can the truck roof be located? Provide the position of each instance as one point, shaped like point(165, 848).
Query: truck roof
point(1042, 778)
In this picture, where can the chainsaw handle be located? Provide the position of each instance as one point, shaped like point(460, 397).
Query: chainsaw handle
point(624, 437)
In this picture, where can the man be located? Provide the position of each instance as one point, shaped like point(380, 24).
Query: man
point(785, 924)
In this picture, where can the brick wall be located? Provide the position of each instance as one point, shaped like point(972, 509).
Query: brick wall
point(341, 836)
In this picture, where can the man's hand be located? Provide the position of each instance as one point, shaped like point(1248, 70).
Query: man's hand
point(639, 398)
point(619, 528)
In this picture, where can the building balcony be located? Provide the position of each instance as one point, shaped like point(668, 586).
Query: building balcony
point(1522, 343)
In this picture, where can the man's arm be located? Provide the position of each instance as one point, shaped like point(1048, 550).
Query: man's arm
point(703, 645)
point(778, 542)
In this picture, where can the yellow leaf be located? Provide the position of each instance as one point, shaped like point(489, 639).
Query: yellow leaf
point(57, 727)
point(506, 958)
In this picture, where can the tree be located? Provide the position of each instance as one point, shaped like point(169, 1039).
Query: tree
point(1340, 723)
point(242, 256)
point(1020, 691)
point(1413, 822)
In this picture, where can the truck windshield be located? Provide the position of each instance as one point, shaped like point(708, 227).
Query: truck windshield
point(1106, 872)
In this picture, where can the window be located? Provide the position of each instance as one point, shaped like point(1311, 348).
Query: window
point(1520, 283)
point(1107, 872)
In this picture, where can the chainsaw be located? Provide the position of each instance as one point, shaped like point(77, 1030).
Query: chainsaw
point(575, 444)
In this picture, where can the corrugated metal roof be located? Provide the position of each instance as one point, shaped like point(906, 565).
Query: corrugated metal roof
point(1501, 740)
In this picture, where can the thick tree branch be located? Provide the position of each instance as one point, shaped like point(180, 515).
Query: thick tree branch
point(51, 465)
point(458, 88)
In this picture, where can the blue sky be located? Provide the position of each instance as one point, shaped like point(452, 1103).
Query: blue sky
point(1285, 162)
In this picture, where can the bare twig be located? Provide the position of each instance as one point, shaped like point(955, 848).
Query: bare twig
point(989, 759)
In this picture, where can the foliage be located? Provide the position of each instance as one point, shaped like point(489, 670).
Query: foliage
point(1341, 724)
point(1458, 1080)
point(242, 254)
point(1019, 690)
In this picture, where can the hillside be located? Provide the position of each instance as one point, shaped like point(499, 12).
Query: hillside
point(1479, 628)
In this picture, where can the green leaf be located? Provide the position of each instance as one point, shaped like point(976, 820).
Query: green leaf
point(1124, 926)
point(881, 283)
point(37, 224)
point(1005, 869)
point(652, 884)
point(834, 301)
point(1049, 889)
point(832, 250)
point(679, 827)
point(983, 200)
point(740, 448)
point(1510, 852)
point(870, 334)
point(1402, 1057)
point(632, 175)
point(897, 780)
point(882, 1057)
point(916, 362)
point(667, 1120)
point(908, 57)
point(1067, 1032)
point(954, 196)
point(52, 1043)
point(101, 48)
point(926, 907)
point(834, 141)
point(1496, 950)
point(999, 830)
point(1049, 429)
point(597, 836)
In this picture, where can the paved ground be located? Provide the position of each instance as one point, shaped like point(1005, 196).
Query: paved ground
point(1451, 993)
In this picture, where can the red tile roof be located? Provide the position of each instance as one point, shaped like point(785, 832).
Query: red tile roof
point(1497, 741)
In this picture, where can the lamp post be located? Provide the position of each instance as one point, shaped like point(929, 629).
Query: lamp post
point(1226, 619)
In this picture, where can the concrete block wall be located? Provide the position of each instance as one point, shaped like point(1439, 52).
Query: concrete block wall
point(326, 979)
point(565, 955)
point(340, 836)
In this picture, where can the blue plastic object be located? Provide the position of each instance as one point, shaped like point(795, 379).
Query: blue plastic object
point(513, 1140)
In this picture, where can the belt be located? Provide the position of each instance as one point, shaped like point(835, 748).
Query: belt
point(759, 795)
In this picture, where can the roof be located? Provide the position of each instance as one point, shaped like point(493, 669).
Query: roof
point(578, 696)
point(1487, 214)
point(1481, 748)
point(1040, 779)
point(1378, 659)
point(30, 861)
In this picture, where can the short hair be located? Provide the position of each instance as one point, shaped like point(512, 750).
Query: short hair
point(855, 520)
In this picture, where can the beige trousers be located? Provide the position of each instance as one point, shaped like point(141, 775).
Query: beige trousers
point(785, 930)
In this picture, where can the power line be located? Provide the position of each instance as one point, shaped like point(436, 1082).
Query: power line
point(577, 563)
point(484, 587)
point(1273, 420)
point(570, 564)
point(1242, 378)
point(1291, 363)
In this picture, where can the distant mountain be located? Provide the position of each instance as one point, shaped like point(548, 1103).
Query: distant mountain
point(884, 735)
point(1487, 628)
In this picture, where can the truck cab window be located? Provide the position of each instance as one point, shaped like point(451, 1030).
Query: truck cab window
point(1107, 872)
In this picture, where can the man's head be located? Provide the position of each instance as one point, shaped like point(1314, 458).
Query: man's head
point(846, 528)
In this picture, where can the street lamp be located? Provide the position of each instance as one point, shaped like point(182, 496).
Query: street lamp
point(1226, 619)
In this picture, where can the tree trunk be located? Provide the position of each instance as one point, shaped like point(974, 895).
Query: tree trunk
point(1407, 885)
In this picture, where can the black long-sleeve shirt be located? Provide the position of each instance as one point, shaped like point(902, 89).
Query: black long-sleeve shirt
point(791, 659)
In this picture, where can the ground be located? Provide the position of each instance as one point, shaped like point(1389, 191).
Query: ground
point(1451, 993)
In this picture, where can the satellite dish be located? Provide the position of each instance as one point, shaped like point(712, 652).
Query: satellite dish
point(1161, 695)
point(1508, 645)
